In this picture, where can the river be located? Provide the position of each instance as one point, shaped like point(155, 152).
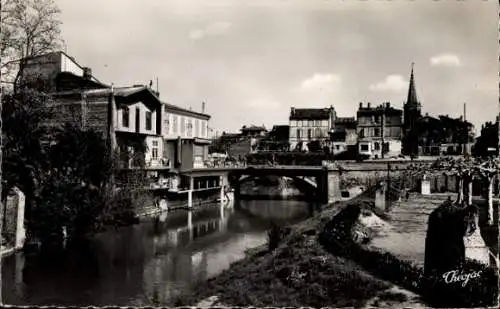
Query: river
point(147, 264)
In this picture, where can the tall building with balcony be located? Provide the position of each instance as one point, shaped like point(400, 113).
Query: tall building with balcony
point(379, 130)
point(309, 124)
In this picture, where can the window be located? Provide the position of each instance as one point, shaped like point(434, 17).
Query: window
point(310, 123)
point(174, 124)
point(183, 125)
point(337, 147)
point(125, 117)
point(203, 128)
point(325, 123)
point(377, 132)
point(298, 133)
point(293, 123)
point(318, 133)
point(377, 119)
point(376, 146)
point(189, 127)
point(149, 120)
point(166, 124)
point(362, 133)
point(197, 128)
point(137, 119)
point(154, 150)
point(309, 133)
point(364, 147)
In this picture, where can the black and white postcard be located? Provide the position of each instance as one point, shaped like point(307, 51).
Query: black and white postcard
point(239, 153)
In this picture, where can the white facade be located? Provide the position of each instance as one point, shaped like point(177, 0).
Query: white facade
point(177, 124)
point(138, 113)
point(69, 65)
point(308, 130)
point(129, 116)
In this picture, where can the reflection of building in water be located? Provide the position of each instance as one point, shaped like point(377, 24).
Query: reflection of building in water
point(183, 235)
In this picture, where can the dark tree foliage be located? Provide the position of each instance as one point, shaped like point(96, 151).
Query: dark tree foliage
point(314, 146)
point(64, 172)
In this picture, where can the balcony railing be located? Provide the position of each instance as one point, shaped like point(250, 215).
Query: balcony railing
point(158, 163)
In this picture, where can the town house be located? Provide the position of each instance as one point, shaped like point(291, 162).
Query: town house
point(379, 130)
point(310, 124)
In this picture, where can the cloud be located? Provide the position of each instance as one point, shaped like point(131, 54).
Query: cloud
point(392, 83)
point(215, 28)
point(446, 59)
point(321, 81)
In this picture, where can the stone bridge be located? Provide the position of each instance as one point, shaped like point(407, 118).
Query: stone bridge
point(328, 182)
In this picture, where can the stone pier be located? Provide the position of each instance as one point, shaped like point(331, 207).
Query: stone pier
point(12, 215)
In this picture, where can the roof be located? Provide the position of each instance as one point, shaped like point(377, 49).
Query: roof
point(310, 113)
point(253, 128)
point(412, 91)
point(69, 81)
point(123, 95)
point(379, 110)
point(175, 108)
point(345, 120)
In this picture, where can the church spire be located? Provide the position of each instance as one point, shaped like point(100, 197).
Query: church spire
point(412, 92)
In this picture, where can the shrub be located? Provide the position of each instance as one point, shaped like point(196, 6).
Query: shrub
point(275, 235)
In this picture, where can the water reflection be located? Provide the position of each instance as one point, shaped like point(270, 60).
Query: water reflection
point(146, 264)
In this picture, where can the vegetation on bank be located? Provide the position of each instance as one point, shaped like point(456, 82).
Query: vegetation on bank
point(65, 172)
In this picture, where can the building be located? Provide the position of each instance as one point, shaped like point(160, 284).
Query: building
point(253, 131)
point(136, 120)
point(310, 124)
point(487, 143)
point(457, 135)
point(277, 139)
point(379, 130)
point(186, 136)
point(57, 71)
point(344, 135)
point(431, 136)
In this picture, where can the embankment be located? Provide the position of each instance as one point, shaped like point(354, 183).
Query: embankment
point(299, 272)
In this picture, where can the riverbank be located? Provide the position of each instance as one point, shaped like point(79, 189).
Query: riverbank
point(300, 272)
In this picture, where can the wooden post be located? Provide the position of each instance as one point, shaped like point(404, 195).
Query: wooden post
point(190, 192)
point(222, 185)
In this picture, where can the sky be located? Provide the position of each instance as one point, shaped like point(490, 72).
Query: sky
point(250, 61)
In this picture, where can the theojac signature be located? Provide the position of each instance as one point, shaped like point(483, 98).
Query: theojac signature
point(453, 276)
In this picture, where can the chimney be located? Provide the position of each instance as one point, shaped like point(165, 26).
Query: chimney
point(292, 111)
point(368, 104)
point(87, 73)
point(360, 104)
point(203, 107)
point(388, 104)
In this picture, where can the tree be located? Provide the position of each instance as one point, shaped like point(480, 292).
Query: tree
point(25, 158)
point(29, 28)
point(488, 170)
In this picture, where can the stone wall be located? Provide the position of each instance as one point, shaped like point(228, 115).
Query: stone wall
point(13, 230)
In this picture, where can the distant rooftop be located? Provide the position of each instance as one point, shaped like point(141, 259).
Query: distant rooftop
point(310, 113)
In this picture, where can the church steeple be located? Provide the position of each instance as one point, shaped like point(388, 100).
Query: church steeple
point(412, 92)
